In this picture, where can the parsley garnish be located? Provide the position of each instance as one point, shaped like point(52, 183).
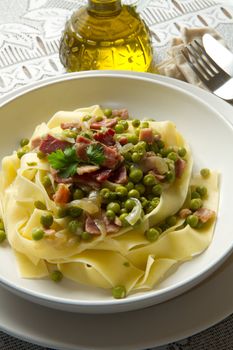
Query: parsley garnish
point(65, 161)
point(95, 153)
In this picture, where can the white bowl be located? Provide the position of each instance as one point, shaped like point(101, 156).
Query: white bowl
point(211, 140)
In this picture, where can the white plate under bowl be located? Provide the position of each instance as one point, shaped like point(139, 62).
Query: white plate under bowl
point(209, 135)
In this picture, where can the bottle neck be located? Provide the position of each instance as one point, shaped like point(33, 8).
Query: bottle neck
point(104, 8)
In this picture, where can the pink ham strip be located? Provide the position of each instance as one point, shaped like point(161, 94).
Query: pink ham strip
point(204, 214)
point(51, 144)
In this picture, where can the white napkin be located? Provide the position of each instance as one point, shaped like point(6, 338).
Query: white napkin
point(175, 65)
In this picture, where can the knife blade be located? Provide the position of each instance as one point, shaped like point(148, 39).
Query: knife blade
point(219, 53)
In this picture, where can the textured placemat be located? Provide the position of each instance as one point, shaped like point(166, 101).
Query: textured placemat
point(29, 40)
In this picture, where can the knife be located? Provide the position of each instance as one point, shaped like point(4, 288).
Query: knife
point(219, 53)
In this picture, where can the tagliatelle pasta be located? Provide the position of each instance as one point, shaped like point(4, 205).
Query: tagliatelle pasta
point(106, 201)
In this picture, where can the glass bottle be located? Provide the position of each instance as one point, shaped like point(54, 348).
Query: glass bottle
point(106, 35)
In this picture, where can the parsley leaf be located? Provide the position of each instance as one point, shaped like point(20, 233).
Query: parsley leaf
point(65, 161)
point(95, 153)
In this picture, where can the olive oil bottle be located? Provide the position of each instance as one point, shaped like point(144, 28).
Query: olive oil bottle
point(106, 35)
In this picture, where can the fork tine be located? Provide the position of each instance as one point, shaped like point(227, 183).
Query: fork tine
point(198, 73)
point(204, 63)
point(208, 57)
point(196, 59)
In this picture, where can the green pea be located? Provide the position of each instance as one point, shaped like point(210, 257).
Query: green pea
point(149, 208)
point(56, 276)
point(78, 194)
point(119, 292)
point(195, 194)
point(123, 221)
point(195, 204)
point(144, 125)
point(137, 131)
point(136, 123)
point(140, 146)
point(182, 152)
point(73, 226)
point(136, 157)
point(135, 175)
point(86, 236)
point(114, 206)
point(121, 191)
point(152, 234)
point(192, 220)
point(123, 211)
point(133, 193)
point(108, 112)
point(37, 234)
point(129, 185)
point(170, 176)
point(46, 182)
point(129, 204)
point(154, 148)
point(2, 236)
point(155, 202)
point(46, 220)
point(144, 201)
point(75, 212)
point(99, 118)
point(140, 188)
point(202, 190)
point(41, 155)
point(171, 220)
point(125, 124)
point(205, 173)
point(173, 156)
point(62, 212)
point(149, 180)
point(119, 128)
point(105, 193)
point(127, 156)
point(20, 153)
point(132, 138)
point(24, 142)
point(110, 215)
point(2, 225)
point(112, 196)
point(157, 189)
point(70, 133)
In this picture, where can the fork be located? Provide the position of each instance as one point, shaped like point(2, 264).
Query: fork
point(214, 78)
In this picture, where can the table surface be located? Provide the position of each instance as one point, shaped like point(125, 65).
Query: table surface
point(29, 40)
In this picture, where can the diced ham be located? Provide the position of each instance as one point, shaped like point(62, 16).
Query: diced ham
point(184, 213)
point(91, 227)
point(105, 137)
point(112, 157)
point(159, 177)
point(62, 194)
point(103, 175)
point(204, 214)
point(146, 135)
point(123, 140)
point(36, 142)
point(86, 169)
point(179, 167)
point(87, 180)
point(82, 139)
point(152, 162)
point(120, 175)
point(111, 227)
point(107, 123)
point(82, 144)
point(71, 125)
point(58, 179)
point(122, 113)
point(50, 144)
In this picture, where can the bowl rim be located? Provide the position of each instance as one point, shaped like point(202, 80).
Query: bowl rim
point(150, 297)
